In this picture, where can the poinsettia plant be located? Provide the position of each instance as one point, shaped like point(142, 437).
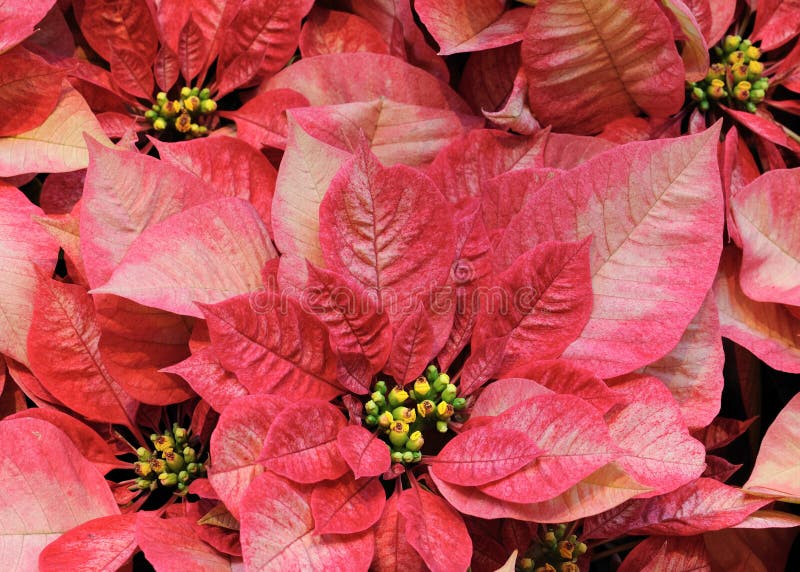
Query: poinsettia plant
point(379, 285)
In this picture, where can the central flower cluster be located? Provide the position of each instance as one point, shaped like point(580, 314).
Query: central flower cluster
point(554, 551)
point(173, 464)
point(736, 77)
point(187, 114)
point(405, 416)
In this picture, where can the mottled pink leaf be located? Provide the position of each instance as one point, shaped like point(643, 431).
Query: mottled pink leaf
point(692, 371)
point(91, 446)
point(343, 78)
point(567, 378)
point(64, 355)
point(695, 50)
point(606, 488)
point(482, 455)
point(776, 23)
point(277, 532)
point(461, 26)
point(307, 168)
point(123, 26)
point(40, 503)
point(103, 544)
point(695, 508)
point(352, 318)
point(330, 32)
point(261, 121)
point(375, 226)
point(61, 191)
point(768, 330)
point(461, 168)
point(393, 553)
point(565, 151)
point(777, 469)
point(228, 165)
point(206, 376)
point(412, 346)
point(18, 21)
point(658, 451)
point(204, 254)
point(435, 530)
point(719, 468)
point(126, 192)
point(770, 237)
point(722, 12)
point(397, 132)
point(236, 445)
point(166, 541)
point(765, 127)
point(574, 440)
point(301, 442)
point(488, 77)
point(589, 61)
point(23, 244)
point(721, 432)
point(57, 145)
point(770, 519)
point(544, 303)
point(26, 82)
point(365, 454)
point(665, 554)
point(273, 346)
point(655, 210)
point(262, 37)
point(504, 394)
point(515, 115)
point(347, 505)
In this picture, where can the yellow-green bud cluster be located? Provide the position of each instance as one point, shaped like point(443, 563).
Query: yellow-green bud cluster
point(735, 79)
point(173, 462)
point(186, 115)
point(404, 416)
point(552, 552)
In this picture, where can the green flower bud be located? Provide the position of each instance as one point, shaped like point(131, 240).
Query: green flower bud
point(208, 106)
point(371, 420)
point(385, 419)
point(731, 43)
point(143, 484)
point(408, 457)
point(421, 388)
point(746, 43)
point(186, 92)
point(742, 90)
point(168, 479)
point(754, 70)
point(174, 461)
point(459, 403)
point(205, 93)
point(752, 53)
point(193, 468)
point(372, 408)
point(716, 71)
point(189, 455)
point(698, 94)
point(449, 393)
point(397, 456)
point(550, 538)
point(404, 414)
point(160, 124)
point(415, 441)
point(398, 433)
point(181, 487)
point(739, 73)
point(441, 426)
point(156, 107)
point(736, 58)
point(441, 382)
point(704, 105)
point(397, 396)
point(161, 97)
point(180, 433)
point(426, 408)
point(580, 549)
point(417, 456)
point(762, 84)
point(195, 91)
point(750, 106)
point(757, 95)
point(191, 103)
point(381, 387)
point(431, 373)
point(560, 530)
point(378, 398)
point(150, 114)
point(143, 454)
point(183, 476)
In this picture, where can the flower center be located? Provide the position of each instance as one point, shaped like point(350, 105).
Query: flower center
point(174, 463)
point(188, 115)
point(735, 77)
point(405, 417)
point(552, 552)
